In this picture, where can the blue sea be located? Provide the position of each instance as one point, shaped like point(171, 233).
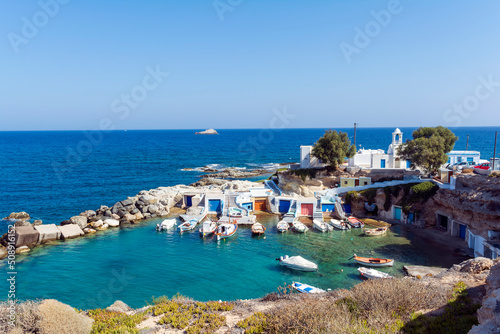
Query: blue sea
point(54, 175)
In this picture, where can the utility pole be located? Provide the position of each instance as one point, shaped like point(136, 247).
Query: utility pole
point(467, 145)
point(355, 124)
point(494, 152)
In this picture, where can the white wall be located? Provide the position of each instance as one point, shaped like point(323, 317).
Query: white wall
point(307, 160)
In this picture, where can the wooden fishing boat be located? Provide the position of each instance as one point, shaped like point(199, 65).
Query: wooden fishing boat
point(339, 224)
point(297, 263)
point(258, 229)
point(282, 226)
point(375, 231)
point(372, 273)
point(226, 230)
point(187, 226)
point(166, 224)
point(355, 222)
point(208, 228)
point(299, 227)
point(373, 262)
point(322, 226)
point(306, 288)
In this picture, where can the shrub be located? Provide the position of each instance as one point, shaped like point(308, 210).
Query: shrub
point(115, 322)
point(56, 317)
point(256, 323)
point(351, 196)
point(27, 317)
point(369, 194)
point(305, 172)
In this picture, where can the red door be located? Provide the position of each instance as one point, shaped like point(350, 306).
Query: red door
point(306, 209)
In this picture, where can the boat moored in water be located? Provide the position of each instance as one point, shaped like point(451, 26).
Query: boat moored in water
point(373, 261)
point(166, 224)
point(322, 226)
point(187, 226)
point(339, 224)
point(372, 273)
point(226, 230)
point(258, 229)
point(299, 227)
point(355, 222)
point(306, 288)
point(282, 226)
point(208, 228)
point(375, 231)
point(297, 263)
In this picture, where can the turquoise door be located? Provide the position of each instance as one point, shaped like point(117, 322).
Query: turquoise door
point(397, 213)
point(408, 164)
point(382, 163)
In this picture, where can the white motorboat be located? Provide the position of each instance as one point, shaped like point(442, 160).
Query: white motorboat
point(187, 226)
point(258, 229)
point(375, 231)
point(339, 224)
point(282, 226)
point(373, 273)
point(322, 226)
point(306, 288)
point(299, 227)
point(226, 230)
point(235, 212)
point(297, 263)
point(208, 228)
point(166, 224)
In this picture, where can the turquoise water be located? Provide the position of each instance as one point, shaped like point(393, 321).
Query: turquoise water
point(136, 262)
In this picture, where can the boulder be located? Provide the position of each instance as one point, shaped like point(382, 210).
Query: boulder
point(37, 222)
point(89, 230)
point(48, 232)
point(22, 223)
point(3, 253)
point(146, 215)
point(70, 231)
point(148, 199)
point(129, 217)
point(97, 224)
point(26, 235)
point(112, 222)
point(127, 202)
point(103, 227)
point(88, 213)
point(134, 211)
point(18, 215)
point(22, 249)
point(117, 207)
point(59, 318)
point(108, 213)
point(152, 209)
point(81, 221)
point(114, 216)
point(119, 306)
point(476, 266)
point(422, 271)
point(138, 216)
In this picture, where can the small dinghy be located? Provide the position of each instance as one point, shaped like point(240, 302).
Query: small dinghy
point(306, 288)
point(355, 222)
point(187, 226)
point(372, 273)
point(375, 231)
point(166, 224)
point(258, 229)
point(299, 227)
point(282, 226)
point(235, 212)
point(208, 228)
point(373, 262)
point(339, 224)
point(226, 230)
point(322, 226)
point(297, 263)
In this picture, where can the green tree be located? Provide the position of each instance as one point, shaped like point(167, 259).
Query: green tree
point(333, 148)
point(428, 148)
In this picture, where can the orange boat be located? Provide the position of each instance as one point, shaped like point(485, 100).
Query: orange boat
point(373, 262)
point(355, 222)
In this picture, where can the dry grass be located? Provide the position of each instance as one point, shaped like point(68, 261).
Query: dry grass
point(27, 318)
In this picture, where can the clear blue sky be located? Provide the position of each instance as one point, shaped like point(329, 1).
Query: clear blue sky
point(73, 72)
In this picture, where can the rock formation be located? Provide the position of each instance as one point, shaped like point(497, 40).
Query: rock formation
point(207, 132)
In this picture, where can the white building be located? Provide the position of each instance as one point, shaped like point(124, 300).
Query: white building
point(463, 156)
point(380, 159)
point(307, 159)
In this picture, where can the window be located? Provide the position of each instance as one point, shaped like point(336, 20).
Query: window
point(345, 182)
point(449, 159)
point(470, 159)
point(459, 159)
point(365, 183)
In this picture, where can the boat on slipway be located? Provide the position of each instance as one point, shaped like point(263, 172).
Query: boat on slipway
point(297, 263)
point(282, 226)
point(188, 226)
point(208, 228)
point(235, 212)
point(372, 273)
point(355, 222)
point(373, 261)
point(306, 288)
point(166, 224)
point(322, 226)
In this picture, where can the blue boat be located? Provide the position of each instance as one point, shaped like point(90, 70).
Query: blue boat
point(306, 288)
point(187, 226)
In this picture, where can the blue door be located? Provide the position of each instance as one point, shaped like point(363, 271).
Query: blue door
point(408, 164)
point(382, 163)
point(214, 205)
point(327, 207)
point(347, 208)
point(189, 200)
point(463, 229)
point(284, 205)
point(411, 218)
point(397, 213)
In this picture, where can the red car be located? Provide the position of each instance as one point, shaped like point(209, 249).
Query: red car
point(485, 165)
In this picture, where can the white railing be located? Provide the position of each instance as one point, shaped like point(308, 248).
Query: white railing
point(342, 190)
